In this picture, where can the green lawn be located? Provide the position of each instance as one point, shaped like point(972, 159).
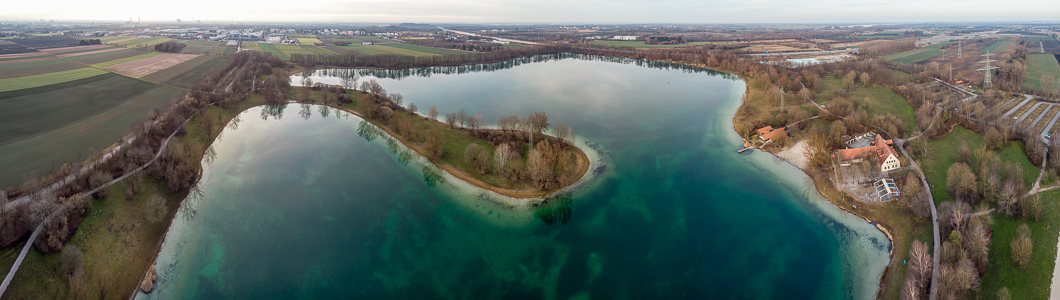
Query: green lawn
point(106, 56)
point(11, 84)
point(943, 154)
point(124, 60)
point(1032, 281)
point(1038, 65)
point(401, 49)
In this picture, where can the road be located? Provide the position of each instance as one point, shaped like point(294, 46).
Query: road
point(486, 36)
point(934, 216)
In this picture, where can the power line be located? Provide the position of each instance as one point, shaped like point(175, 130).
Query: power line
point(988, 70)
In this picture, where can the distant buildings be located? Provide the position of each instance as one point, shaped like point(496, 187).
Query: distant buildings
point(624, 38)
point(769, 133)
point(366, 43)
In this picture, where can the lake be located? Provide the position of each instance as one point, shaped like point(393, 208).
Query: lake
point(302, 201)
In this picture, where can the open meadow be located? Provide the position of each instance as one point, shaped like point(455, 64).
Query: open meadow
point(918, 55)
point(1038, 65)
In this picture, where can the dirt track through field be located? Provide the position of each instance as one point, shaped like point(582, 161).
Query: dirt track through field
point(74, 48)
point(112, 49)
point(146, 66)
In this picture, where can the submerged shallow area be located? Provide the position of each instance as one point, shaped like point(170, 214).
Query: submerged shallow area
point(301, 201)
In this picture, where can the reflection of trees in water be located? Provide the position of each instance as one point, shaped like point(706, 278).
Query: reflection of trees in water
point(324, 111)
point(306, 111)
point(432, 175)
point(195, 195)
point(367, 131)
point(274, 111)
point(234, 123)
point(427, 72)
point(210, 154)
point(556, 209)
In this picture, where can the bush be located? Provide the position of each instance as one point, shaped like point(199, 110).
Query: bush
point(1022, 246)
point(72, 260)
point(477, 158)
point(98, 179)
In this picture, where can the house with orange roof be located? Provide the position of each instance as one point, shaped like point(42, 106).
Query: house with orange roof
point(877, 148)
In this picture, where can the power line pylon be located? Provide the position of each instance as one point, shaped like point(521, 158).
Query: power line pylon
point(988, 70)
point(959, 55)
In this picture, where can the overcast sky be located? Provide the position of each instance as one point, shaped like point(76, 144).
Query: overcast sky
point(543, 11)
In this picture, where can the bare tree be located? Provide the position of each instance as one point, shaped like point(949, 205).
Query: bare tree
point(920, 262)
point(434, 143)
point(396, 98)
point(412, 108)
point(911, 290)
point(500, 157)
point(1022, 245)
point(560, 132)
point(475, 122)
point(461, 116)
point(1004, 294)
point(477, 158)
point(433, 112)
point(450, 118)
point(306, 91)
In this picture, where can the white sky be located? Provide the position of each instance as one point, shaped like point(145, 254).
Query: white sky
point(547, 11)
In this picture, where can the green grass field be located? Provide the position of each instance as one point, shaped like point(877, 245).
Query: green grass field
point(401, 49)
point(295, 36)
point(11, 84)
point(1038, 65)
point(216, 51)
point(44, 153)
point(271, 48)
point(32, 111)
point(124, 60)
point(203, 43)
point(943, 153)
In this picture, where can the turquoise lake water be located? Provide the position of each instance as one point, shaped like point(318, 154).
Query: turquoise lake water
point(301, 201)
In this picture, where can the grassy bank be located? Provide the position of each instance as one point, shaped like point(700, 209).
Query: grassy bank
point(942, 153)
point(1032, 281)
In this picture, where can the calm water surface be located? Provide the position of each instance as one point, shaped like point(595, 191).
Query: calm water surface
point(304, 202)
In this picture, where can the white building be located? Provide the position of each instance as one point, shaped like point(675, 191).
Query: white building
point(624, 38)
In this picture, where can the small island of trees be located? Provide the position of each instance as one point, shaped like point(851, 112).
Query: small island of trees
point(516, 158)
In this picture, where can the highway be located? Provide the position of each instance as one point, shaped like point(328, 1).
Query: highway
point(486, 36)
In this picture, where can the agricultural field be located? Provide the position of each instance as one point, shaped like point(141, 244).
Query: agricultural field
point(107, 56)
point(640, 44)
point(1000, 45)
point(1037, 66)
point(759, 48)
point(918, 55)
point(251, 46)
point(309, 41)
point(400, 49)
point(32, 111)
point(143, 67)
point(11, 84)
point(44, 153)
point(285, 51)
point(39, 67)
point(59, 110)
point(204, 47)
point(189, 77)
point(295, 36)
point(46, 42)
point(124, 60)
